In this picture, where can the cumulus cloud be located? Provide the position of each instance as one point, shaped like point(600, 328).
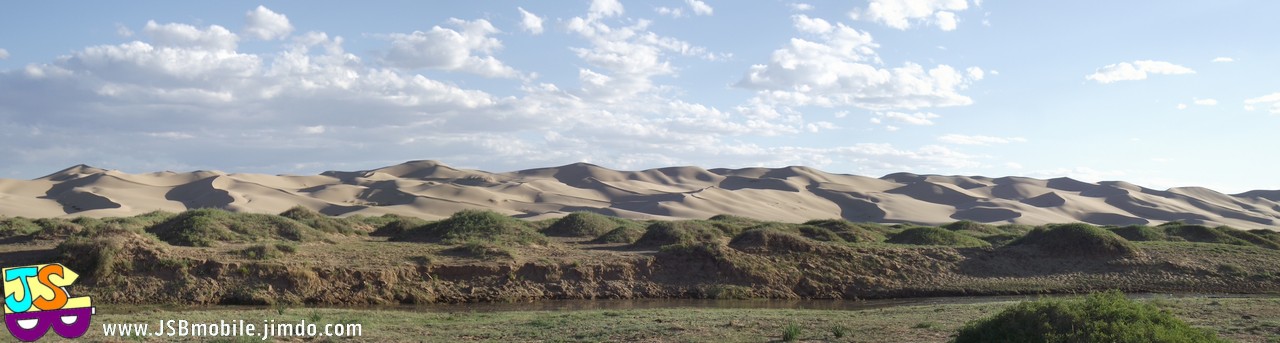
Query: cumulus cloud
point(176, 35)
point(918, 118)
point(4, 54)
point(264, 24)
point(1138, 70)
point(530, 22)
point(1205, 102)
point(1223, 60)
point(841, 68)
point(183, 97)
point(1272, 100)
point(979, 139)
point(468, 48)
point(902, 14)
point(699, 7)
point(604, 8)
point(800, 7)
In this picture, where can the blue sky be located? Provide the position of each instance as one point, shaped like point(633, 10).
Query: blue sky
point(1143, 91)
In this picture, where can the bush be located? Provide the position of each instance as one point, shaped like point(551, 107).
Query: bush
point(1250, 237)
point(1076, 240)
point(772, 241)
point(851, 232)
point(582, 224)
point(621, 234)
point(791, 333)
point(391, 225)
point(1099, 317)
point(10, 227)
point(971, 226)
point(475, 248)
point(206, 227)
point(324, 223)
point(477, 225)
point(1200, 234)
point(268, 251)
point(1141, 233)
point(52, 228)
point(108, 251)
point(928, 235)
point(678, 232)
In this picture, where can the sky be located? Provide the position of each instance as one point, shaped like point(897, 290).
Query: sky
point(1150, 92)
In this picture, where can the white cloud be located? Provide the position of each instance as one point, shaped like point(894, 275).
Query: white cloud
point(1138, 70)
point(840, 69)
point(902, 14)
point(184, 98)
point(604, 9)
point(1182, 106)
point(918, 118)
point(1272, 99)
point(1205, 102)
point(979, 139)
point(800, 7)
point(669, 11)
point(699, 7)
point(1223, 60)
point(530, 22)
point(4, 54)
point(186, 36)
point(467, 49)
point(264, 24)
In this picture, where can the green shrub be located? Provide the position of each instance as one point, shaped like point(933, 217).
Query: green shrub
point(479, 249)
point(852, 232)
point(468, 225)
point(621, 234)
point(10, 227)
point(768, 240)
point(581, 224)
point(391, 225)
point(972, 226)
point(324, 223)
point(268, 251)
point(928, 235)
point(1141, 233)
point(1001, 238)
point(55, 228)
point(791, 333)
point(1200, 234)
point(678, 232)
point(1250, 237)
point(207, 227)
point(1099, 317)
point(1076, 240)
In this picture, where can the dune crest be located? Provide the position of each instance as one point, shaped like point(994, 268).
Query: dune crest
point(431, 189)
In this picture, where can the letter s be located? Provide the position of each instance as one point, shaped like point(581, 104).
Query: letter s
point(59, 295)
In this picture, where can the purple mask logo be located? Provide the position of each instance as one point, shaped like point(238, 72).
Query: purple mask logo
point(36, 300)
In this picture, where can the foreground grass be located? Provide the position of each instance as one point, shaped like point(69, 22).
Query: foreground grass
point(1235, 319)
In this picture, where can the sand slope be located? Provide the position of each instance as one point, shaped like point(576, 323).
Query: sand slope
point(431, 190)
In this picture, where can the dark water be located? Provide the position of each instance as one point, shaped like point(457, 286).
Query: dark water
point(639, 304)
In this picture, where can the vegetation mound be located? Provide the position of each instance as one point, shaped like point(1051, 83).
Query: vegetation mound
point(1141, 233)
point(474, 225)
point(109, 251)
point(391, 225)
point(206, 227)
point(1076, 240)
point(621, 234)
point(583, 224)
point(773, 241)
point(325, 223)
point(678, 232)
point(928, 235)
point(12, 227)
point(972, 226)
point(1099, 317)
point(1201, 234)
point(852, 232)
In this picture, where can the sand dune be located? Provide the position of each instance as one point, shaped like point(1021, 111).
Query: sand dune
point(430, 189)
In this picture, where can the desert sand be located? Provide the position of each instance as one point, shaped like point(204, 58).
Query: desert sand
point(431, 190)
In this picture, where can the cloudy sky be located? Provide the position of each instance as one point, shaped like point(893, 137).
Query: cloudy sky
point(1144, 91)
